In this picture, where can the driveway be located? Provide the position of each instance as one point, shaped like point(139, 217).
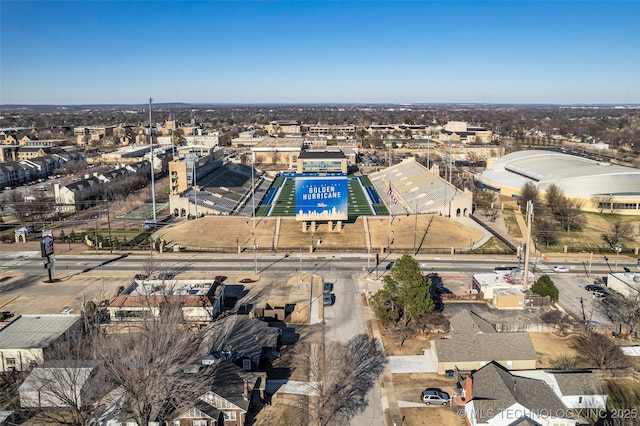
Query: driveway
point(426, 363)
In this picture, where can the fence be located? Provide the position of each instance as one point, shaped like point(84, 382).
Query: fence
point(514, 327)
point(495, 233)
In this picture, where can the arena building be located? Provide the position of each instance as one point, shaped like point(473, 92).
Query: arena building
point(598, 185)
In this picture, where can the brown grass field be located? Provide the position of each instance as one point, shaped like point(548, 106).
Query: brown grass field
point(217, 232)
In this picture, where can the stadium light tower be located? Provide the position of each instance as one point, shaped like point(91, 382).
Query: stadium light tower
point(153, 187)
point(253, 195)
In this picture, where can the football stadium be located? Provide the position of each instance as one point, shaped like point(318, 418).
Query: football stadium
point(318, 202)
point(319, 190)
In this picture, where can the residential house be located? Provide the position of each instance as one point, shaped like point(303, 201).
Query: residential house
point(61, 384)
point(578, 389)
point(9, 153)
point(13, 173)
point(235, 394)
point(9, 138)
point(473, 342)
point(28, 152)
point(470, 352)
point(243, 340)
point(69, 196)
point(495, 397)
point(468, 322)
point(29, 339)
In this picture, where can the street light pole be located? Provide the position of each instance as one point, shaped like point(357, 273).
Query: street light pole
point(415, 228)
point(153, 187)
point(618, 250)
point(255, 256)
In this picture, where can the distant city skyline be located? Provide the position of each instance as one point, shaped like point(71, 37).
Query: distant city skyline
point(277, 52)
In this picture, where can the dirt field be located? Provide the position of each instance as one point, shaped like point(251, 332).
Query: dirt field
point(549, 346)
point(412, 346)
point(430, 416)
point(230, 232)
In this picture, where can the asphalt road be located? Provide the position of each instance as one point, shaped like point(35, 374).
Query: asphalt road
point(30, 263)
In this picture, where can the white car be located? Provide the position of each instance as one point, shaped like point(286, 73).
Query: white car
point(560, 269)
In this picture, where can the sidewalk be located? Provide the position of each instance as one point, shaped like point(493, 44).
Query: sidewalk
point(388, 397)
point(60, 248)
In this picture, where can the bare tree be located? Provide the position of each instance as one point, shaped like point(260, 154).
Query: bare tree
point(154, 364)
point(529, 192)
point(341, 375)
point(603, 202)
point(68, 388)
point(619, 233)
point(569, 214)
point(545, 230)
point(561, 320)
point(275, 157)
point(625, 310)
point(554, 197)
point(600, 350)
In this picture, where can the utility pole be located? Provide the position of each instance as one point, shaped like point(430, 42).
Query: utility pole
point(525, 279)
point(109, 226)
point(153, 187)
point(195, 175)
point(255, 256)
point(415, 228)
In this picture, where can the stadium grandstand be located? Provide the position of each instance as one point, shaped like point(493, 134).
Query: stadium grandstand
point(598, 185)
point(223, 191)
point(410, 188)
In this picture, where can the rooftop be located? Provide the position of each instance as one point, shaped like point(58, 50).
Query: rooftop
point(485, 347)
point(35, 331)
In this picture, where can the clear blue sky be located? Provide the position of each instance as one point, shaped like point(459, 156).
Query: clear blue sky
point(55, 52)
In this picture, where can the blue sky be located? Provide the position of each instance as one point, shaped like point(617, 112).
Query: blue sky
point(54, 52)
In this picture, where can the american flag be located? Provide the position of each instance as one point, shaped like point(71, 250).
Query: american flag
point(392, 196)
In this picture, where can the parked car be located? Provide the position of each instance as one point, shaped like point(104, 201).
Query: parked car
point(389, 266)
point(247, 280)
point(596, 290)
point(559, 268)
point(139, 277)
point(5, 315)
point(327, 287)
point(328, 299)
point(435, 396)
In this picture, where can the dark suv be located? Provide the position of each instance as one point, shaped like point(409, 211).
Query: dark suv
point(435, 396)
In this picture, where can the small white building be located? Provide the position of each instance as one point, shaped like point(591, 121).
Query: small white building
point(626, 283)
point(488, 283)
point(27, 341)
point(200, 299)
point(59, 386)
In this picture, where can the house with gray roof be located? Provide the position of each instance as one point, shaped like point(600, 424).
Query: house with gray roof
point(467, 352)
point(242, 340)
point(28, 340)
point(234, 393)
point(468, 322)
point(578, 389)
point(496, 397)
point(61, 384)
